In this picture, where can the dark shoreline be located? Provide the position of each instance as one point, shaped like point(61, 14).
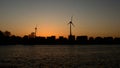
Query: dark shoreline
point(7, 39)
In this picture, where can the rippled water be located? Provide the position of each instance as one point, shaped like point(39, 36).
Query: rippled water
point(60, 56)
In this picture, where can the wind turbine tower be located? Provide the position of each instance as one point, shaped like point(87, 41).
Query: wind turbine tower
point(71, 24)
point(71, 37)
point(35, 30)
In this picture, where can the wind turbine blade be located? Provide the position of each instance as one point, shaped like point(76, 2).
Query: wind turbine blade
point(68, 23)
point(71, 18)
point(73, 24)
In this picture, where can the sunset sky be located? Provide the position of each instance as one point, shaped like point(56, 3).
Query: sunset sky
point(90, 17)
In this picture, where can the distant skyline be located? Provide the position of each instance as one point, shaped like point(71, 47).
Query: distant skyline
point(90, 17)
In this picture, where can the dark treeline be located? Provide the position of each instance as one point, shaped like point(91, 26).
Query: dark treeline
point(7, 39)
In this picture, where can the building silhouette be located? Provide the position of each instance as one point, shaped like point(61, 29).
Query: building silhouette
point(82, 39)
point(7, 39)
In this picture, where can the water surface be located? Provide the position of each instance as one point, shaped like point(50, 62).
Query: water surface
point(60, 56)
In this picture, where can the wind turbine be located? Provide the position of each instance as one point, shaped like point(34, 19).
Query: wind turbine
point(71, 24)
point(35, 30)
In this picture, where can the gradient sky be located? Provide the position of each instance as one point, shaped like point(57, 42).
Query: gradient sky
point(90, 17)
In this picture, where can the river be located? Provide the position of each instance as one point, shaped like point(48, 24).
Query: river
point(60, 56)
